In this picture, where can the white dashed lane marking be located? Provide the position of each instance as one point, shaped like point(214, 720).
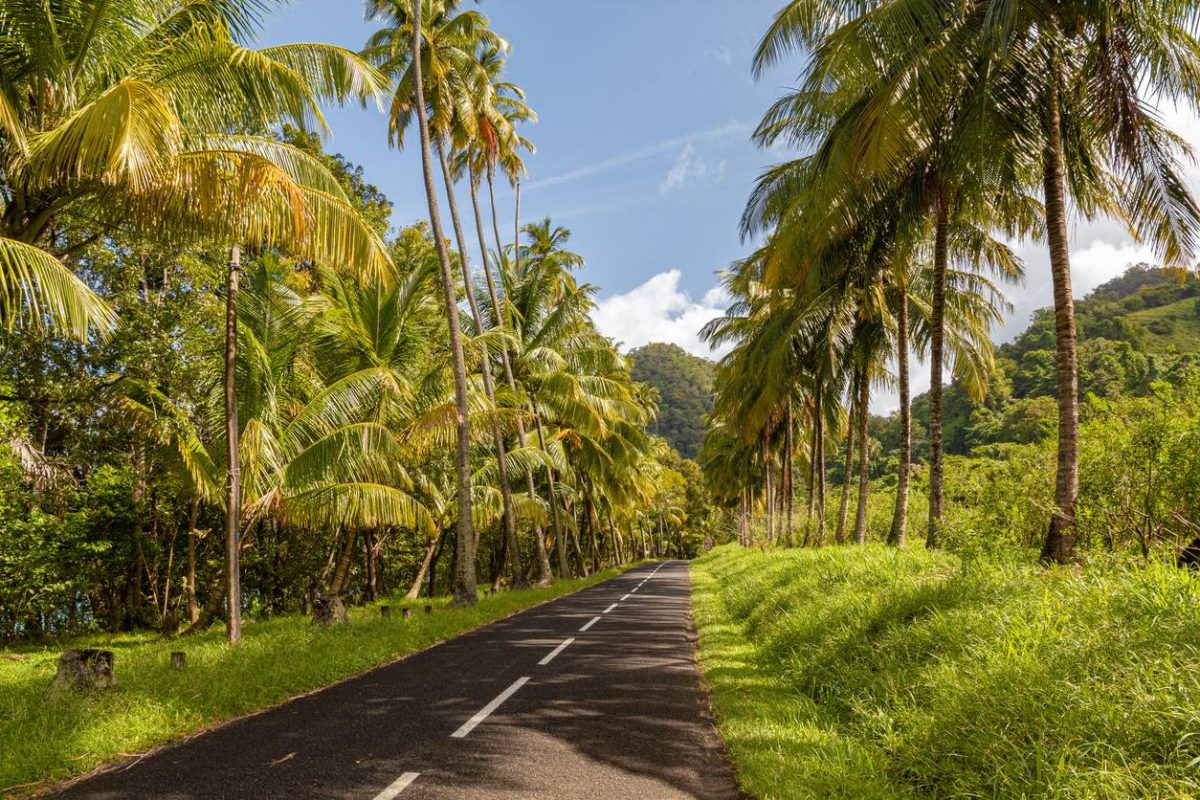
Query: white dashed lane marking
point(397, 786)
point(550, 656)
point(486, 711)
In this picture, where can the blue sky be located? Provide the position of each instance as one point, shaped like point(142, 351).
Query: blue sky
point(646, 109)
point(643, 141)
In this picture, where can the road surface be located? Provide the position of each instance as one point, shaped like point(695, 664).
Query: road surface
point(594, 695)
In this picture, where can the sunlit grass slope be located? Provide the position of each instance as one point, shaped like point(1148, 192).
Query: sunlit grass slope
point(867, 673)
point(42, 739)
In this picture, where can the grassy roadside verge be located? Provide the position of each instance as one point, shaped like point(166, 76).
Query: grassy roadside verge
point(42, 741)
point(866, 673)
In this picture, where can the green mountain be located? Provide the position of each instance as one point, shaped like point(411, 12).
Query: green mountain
point(685, 387)
point(1134, 330)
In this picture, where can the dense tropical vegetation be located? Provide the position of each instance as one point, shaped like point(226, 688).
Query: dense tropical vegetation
point(933, 137)
point(232, 385)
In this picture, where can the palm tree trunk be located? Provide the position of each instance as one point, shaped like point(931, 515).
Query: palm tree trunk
point(341, 573)
point(1060, 541)
point(898, 533)
point(371, 548)
point(844, 510)
point(496, 221)
point(789, 478)
point(936, 347)
point(464, 565)
point(768, 494)
point(580, 557)
point(864, 447)
point(509, 519)
point(744, 522)
point(812, 479)
point(414, 591)
point(545, 573)
point(193, 609)
point(820, 475)
point(560, 536)
point(233, 494)
point(557, 530)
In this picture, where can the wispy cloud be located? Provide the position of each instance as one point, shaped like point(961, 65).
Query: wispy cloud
point(730, 130)
point(688, 167)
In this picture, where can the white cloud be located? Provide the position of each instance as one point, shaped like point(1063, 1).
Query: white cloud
point(660, 311)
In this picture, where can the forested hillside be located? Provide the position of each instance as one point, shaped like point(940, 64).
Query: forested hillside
point(1138, 328)
point(684, 383)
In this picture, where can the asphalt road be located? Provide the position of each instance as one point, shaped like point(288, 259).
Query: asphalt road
point(507, 711)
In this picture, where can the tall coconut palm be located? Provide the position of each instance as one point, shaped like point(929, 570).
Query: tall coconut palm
point(464, 577)
point(459, 92)
point(478, 156)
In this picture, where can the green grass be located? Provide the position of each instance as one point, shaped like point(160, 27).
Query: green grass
point(43, 741)
point(867, 673)
point(1186, 334)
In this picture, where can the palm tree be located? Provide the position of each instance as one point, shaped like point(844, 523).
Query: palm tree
point(464, 577)
point(1022, 79)
point(476, 157)
point(459, 92)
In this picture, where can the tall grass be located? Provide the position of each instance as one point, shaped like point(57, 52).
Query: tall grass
point(42, 739)
point(866, 672)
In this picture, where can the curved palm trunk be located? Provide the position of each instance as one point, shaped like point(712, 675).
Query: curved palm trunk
point(864, 473)
point(414, 591)
point(233, 493)
point(464, 558)
point(1060, 541)
point(341, 573)
point(509, 520)
point(545, 573)
point(898, 533)
point(936, 348)
point(844, 510)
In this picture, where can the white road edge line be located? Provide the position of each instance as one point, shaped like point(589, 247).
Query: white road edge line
point(487, 710)
point(589, 624)
point(610, 608)
point(623, 599)
point(397, 786)
point(550, 656)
